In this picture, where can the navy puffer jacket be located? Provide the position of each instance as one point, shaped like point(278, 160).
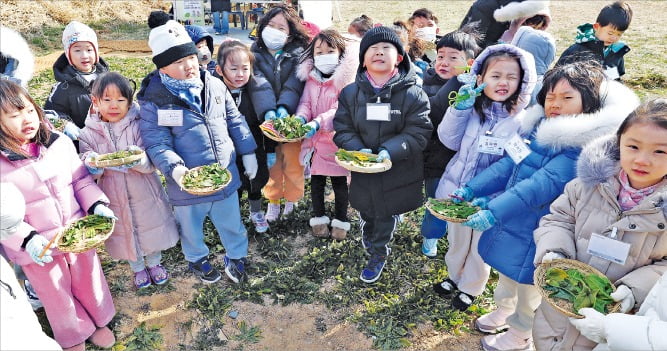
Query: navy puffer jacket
point(280, 72)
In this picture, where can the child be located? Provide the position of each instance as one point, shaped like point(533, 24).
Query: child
point(505, 77)
point(359, 26)
point(620, 194)
point(424, 29)
point(204, 43)
point(277, 52)
point(146, 225)
point(188, 119)
point(456, 51)
point(384, 112)
point(576, 105)
point(75, 70)
point(601, 41)
point(58, 190)
point(235, 63)
point(327, 66)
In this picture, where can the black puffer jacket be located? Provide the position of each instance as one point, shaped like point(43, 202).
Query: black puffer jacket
point(70, 97)
point(437, 155)
point(399, 189)
point(594, 50)
point(286, 88)
point(482, 11)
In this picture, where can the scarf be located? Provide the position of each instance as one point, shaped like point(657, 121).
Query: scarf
point(378, 86)
point(629, 197)
point(188, 90)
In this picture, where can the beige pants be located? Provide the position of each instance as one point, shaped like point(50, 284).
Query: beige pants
point(523, 299)
point(286, 176)
point(464, 264)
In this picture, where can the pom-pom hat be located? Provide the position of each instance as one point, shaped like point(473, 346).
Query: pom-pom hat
point(75, 32)
point(168, 40)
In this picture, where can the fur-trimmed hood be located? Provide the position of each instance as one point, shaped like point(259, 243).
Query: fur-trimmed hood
point(523, 10)
point(13, 45)
point(577, 130)
point(344, 73)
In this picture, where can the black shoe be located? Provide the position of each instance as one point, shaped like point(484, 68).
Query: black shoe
point(235, 269)
point(205, 271)
point(445, 288)
point(462, 301)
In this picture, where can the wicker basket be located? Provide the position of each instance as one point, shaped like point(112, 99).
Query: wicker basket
point(368, 167)
point(101, 163)
point(267, 130)
point(208, 190)
point(560, 305)
point(444, 217)
point(84, 244)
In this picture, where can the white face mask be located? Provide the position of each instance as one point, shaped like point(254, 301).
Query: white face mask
point(326, 63)
point(273, 38)
point(426, 33)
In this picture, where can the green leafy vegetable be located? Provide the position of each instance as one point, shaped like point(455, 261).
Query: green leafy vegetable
point(582, 290)
point(116, 155)
point(290, 127)
point(450, 209)
point(85, 228)
point(212, 175)
point(359, 158)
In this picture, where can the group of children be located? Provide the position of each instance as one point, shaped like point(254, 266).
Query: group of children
point(469, 124)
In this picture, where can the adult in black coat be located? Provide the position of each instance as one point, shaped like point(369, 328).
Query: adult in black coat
point(482, 11)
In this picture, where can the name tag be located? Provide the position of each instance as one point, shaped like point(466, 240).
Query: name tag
point(378, 112)
point(170, 118)
point(490, 145)
point(608, 249)
point(517, 149)
point(44, 169)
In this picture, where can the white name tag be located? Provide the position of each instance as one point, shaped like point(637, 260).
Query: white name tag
point(490, 145)
point(44, 169)
point(170, 118)
point(517, 149)
point(378, 112)
point(609, 249)
point(612, 73)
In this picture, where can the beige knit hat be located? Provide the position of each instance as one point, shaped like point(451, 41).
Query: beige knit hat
point(76, 32)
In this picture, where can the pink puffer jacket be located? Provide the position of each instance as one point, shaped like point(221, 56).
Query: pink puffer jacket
point(57, 189)
point(146, 222)
point(319, 102)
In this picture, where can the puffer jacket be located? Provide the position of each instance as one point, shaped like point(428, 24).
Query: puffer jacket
point(437, 155)
point(70, 97)
point(319, 103)
point(217, 134)
point(460, 130)
point(481, 11)
point(64, 193)
point(145, 220)
point(399, 189)
point(532, 185)
point(197, 34)
point(643, 331)
point(589, 205)
point(280, 72)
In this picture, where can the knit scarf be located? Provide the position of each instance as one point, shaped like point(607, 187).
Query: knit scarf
point(377, 87)
point(188, 90)
point(629, 197)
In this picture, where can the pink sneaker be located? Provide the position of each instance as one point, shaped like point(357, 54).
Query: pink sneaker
point(158, 274)
point(272, 212)
point(103, 337)
point(513, 340)
point(493, 322)
point(142, 280)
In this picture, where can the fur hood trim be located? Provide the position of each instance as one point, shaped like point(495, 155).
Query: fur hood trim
point(13, 45)
point(344, 73)
point(523, 9)
point(577, 130)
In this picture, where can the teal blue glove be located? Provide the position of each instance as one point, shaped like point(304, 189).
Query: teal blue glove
point(466, 96)
point(269, 115)
point(481, 221)
point(314, 127)
point(91, 169)
point(270, 159)
point(462, 194)
point(281, 112)
point(368, 151)
point(481, 202)
point(72, 131)
point(383, 155)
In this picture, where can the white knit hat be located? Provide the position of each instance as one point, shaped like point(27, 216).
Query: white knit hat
point(77, 31)
point(168, 40)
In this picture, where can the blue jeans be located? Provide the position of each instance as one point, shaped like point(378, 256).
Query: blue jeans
point(221, 25)
point(226, 217)
point(432, 227)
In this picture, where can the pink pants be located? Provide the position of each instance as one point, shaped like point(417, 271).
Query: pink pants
point(75, 295)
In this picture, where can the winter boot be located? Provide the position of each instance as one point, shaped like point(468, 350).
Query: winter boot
point(320, 226)
point(339, 229)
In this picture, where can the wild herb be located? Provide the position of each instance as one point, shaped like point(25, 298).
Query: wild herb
point(117, 155)
point(212, 175)
point(582, 290)
point(358, 158)
point(84, 229)
point(450, 209)
point(289, 128)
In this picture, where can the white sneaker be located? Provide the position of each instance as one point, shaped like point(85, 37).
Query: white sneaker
point(289, 207)
point(493, 322)
point(272, 212)
point(511, 340)
point(259, 221)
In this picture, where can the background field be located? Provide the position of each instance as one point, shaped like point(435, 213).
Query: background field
point(304, 293)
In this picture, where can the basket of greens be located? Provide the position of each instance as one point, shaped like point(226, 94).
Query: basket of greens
point(118, 158)
point(86, 233)
point(287, 130)
point(361, 162)
point(449, 211)
point(569, 285)
point(206, 180)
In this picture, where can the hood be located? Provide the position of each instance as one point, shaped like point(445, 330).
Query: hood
point(197, 33)
point(94, 122)
point(527, 65)
point(63, 71)
point(13, 45)
point(577, 130)
point(344, 73)
point(432, 78)
point(539, 43)
point(523, 10)
point(585, 33)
